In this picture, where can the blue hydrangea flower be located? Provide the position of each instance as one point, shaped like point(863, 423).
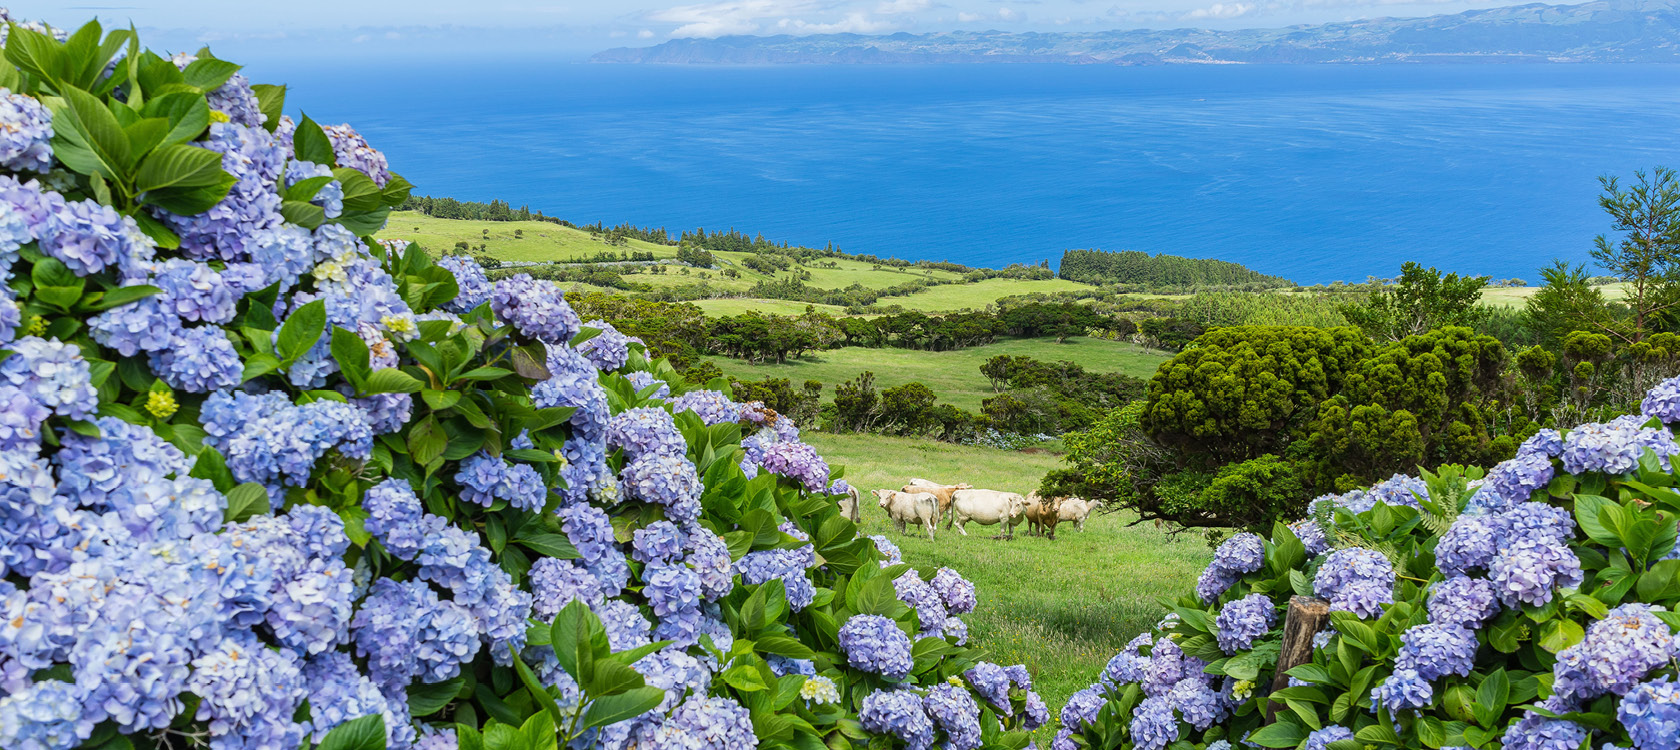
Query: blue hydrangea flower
point(555, 583)
point(626, 627)
point(1663, 401)
point(708, 554)
point(20, 419)
point(1529, 569)
point(353, 152)
point(1651, 714)
point(609, 349)
point(1404, 690)
point(659, 542)
point(234, 98)
point(1547, 442)
point(23, 219)
point(337, 693)
point(1320, 739)
point(956, 592)
point(645, 430)
point(954, 710)
point(1311, 536)
point(1462, 601)
point(898, 713)
point(1153, 724)
point(199, 360)
point(1399, 490)
point(330, 197)
point(535, 308)
point(474, 286)
point(642, 380)
point(1616, 654)
point(143, 325)
point(1356, 580)
point(47, 715)
point(231, 229)
point(1517, 480)
point(1535, 732)
point(26, 133)
point(479, 477)
point(1242, 553)
point(1242, 621)
point(1197, 703)
point(712, 407)
point(53, 374)
point(1469, 544)
point(249, 690)
point(1435, 650)
point(1167, 665)
point(193, 291)
point(673, 592)
point(875, 644)
point(1615, 447)
point(405, 632)
point(667, 480)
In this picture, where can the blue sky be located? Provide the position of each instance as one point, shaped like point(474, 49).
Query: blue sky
point(577, 28)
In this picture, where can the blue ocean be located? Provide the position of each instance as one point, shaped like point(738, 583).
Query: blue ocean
point(1317, 173)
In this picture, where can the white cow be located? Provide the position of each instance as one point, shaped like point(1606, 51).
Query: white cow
point(851, 504)
point(1076, 510)
point(904, 508)
point(941, 491)
point(987, 508)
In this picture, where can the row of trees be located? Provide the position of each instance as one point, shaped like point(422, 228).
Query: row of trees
point(495, 210)
point(1161, 272)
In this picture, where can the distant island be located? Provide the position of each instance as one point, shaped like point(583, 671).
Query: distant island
point(1619, 31)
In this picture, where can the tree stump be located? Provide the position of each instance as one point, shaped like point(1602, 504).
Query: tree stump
point(1307, 615)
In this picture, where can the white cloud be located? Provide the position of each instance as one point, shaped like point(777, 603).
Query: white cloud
point(967, 17)
point(645, 34)
point(854, 23)
point(1222, 10)
point(902, 7)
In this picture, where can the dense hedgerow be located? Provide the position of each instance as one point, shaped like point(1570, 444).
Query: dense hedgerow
point(1528, 609)
point(266, 483)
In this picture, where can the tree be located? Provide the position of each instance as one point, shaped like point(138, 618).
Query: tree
point(1419, 301)
point(1647, 255)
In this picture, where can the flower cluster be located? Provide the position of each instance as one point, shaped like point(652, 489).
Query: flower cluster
point(1356, 580)
point(1243, 553)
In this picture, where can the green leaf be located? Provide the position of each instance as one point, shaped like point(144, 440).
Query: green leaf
point(311, 143)
point(1281, 734)
point(351, 353)
point(271, 100)
point(549, 545)
point(123, 295)
point(535, 686)
point(1661, 582)
point(87, 137)
point(612, 678)
point(179, 166)
point(191, 200)
point(246, 500)
point(301, 330)
point(612, 709)
point(365, 733)
point(188, 115)
point(392, 380)
point(208, 73)
point(1559, 634)
point(303, 213)
point(1491, 698)
point(427, 698)
point(568, 636)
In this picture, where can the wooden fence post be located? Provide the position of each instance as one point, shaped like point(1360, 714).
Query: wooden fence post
point(1307, 615)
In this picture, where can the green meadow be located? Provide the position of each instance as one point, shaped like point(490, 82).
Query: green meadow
point(1061, 607)
point(953, 375)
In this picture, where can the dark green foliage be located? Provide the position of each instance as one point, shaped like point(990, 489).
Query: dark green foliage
point(495, 210)
point(675, 331)
point(1160, 272)
point(1422, 299)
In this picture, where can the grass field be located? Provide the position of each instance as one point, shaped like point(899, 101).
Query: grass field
point(738, 305)
point(540, 240)
point(953, 375)
point(1517, 296)
point(978, 294)
point(1062, 607)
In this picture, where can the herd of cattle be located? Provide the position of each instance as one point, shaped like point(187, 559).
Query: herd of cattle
point(924, 503)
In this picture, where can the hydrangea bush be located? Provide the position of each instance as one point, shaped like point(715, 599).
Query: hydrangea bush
point(1532, 608)
point(268, 483)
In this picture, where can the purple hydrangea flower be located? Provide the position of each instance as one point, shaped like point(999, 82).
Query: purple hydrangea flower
point(667, 480)
point(1528, 569)
point(712, 407)
point(1462, 601)
point(52, 374)
point(1167, 665)
point(1547, 442)
point(1616, 654)
point(1404, 690)
point(1535, 732)
point(249, 691)
point(1651, 714)
point(1517, 479)
point(1244, 620)
point(954, 710)
point(1153, 724)
point(642, 380)
point(555, 583)
point(353, 152)
point(1197, 703)
point(1399, 490)
point(875, 644)
point(199, 360)
point(1356, 580)
point(1320, 739)
point(474, 286)
point(1470, 543)
point(609, 349)
point(645, 430)
point(143, 325)
point(395, 517)
point(1311, 536)
point(330, 197)
point(193, 291)
point(26, 133)
point(898, 713)
point(1615, 447)
point(1242, 553)
point(232, 229)
point(956, 592)
point(535, 308)
point(1435, 650)
point(1663, 401)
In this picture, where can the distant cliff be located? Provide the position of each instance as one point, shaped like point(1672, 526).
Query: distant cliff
point(1606, 31)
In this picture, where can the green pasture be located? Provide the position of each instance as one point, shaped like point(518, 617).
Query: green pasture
point(977, 295)
point(738, 305)
point(953, 375)
point(1061, 607)
point(539, 240)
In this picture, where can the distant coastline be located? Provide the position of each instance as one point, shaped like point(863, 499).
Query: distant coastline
point(1608, 31)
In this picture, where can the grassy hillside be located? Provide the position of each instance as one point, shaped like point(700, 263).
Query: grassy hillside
point(1517, 296)
point(540, 240)
point(978, 294)
point(1062, 607)
point(954, 375)
point(738, 305)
